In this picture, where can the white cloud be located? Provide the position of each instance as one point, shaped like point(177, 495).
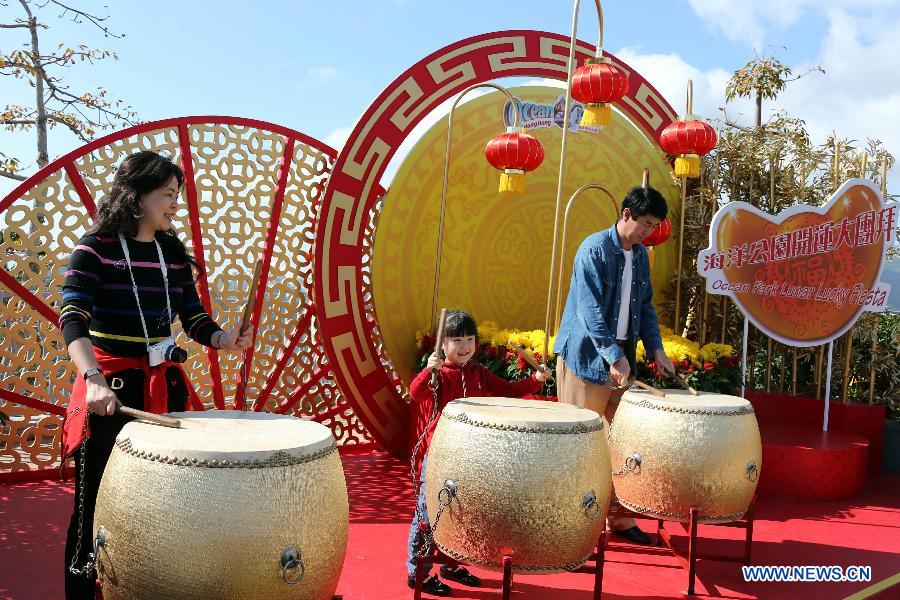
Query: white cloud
point(337, 138)
point(858, 97)
point(750, 22)
point(323, 73)
point(669, 74)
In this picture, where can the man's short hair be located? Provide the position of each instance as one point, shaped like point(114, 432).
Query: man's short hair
point(645, 201)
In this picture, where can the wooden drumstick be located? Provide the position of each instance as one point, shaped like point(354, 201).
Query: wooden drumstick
point(649, 388)
point(251, 297)
point(439, 344)
point(528, 358)
point(685, 384)
point(148, 416)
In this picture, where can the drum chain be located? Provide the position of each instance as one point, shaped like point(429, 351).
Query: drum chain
point(462, 558)
point(661, 514)
point(632, 465)
point(644, 403)
point(279, 458)
point(90, 564)
point(433, 385)
point(573, 429)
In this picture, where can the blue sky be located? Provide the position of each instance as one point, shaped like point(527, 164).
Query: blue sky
point(315, 66)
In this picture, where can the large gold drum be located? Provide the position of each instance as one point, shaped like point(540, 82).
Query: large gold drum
point(520, 478)
point(670, 454)
point(231, 505)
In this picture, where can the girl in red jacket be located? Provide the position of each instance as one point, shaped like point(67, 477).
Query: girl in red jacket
point(457, 378)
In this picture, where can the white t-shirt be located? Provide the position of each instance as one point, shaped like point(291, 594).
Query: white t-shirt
point(625, 300)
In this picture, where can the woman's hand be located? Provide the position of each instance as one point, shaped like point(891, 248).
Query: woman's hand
point(236, 340)
point(100, 399)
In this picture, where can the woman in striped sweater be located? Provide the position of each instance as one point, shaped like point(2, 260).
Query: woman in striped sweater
point(127, 280)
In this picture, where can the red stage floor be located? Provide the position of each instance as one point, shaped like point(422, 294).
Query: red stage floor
point(862, 531)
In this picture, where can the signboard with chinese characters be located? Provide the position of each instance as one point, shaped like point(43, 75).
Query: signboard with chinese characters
point(803, 277)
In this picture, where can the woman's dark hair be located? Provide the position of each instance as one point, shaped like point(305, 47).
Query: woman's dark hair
point(645, 201)
point(119, 212)
point(459, 323)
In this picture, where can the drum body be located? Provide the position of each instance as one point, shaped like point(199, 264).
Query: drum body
point(532, 482)
point(669, 454)
point(231, 505)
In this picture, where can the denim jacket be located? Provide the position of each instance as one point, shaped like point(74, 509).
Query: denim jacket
point(587, 335)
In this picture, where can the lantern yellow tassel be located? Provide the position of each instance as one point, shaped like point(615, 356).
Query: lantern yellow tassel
point(650, 257)
point(512, 181)
point(596, 115)
point(687, 165)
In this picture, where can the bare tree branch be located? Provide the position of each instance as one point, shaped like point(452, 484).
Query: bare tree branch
point(97, 21)
point(15, 176)
point(13, 26)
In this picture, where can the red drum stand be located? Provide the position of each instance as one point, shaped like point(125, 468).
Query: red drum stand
point(689, 561)
point(597, 556)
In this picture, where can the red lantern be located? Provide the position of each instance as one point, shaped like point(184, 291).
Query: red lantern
point(659, 235)
point(689, 138)
point(515, 153)
point(597, 83)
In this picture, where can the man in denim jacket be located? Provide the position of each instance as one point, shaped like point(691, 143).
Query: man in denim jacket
point(609, 306)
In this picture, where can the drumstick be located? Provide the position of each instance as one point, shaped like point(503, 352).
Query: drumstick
point(251, 297)
point(439, 344)
point(685, 384)
point(148, 416)
point(528, 358)
point(245, 322)
point(649, 388)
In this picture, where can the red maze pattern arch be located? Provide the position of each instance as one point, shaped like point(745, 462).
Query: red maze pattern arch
point(252, 193)
point(348, 334)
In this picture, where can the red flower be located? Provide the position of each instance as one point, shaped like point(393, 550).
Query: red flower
point(490, 351)
point(520, 363)
point(708, 366)
point(691, 369)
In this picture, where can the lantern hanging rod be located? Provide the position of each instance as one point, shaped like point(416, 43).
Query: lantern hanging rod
point(565, 235)
point(599, 53)
point(690, 98)
point(645, 179)
point(440, 241)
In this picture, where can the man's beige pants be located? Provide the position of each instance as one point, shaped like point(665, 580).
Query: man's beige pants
point(601, 399)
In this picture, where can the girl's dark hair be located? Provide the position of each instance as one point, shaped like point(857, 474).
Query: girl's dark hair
point(459, 323)
point(645, 200)
point(119, 212)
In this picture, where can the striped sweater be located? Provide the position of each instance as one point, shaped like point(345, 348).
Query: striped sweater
point(98, 301)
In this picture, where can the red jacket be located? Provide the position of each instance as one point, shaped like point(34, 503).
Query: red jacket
point(467, 381)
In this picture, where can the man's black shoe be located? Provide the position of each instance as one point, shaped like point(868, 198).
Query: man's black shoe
point(635, 536)
point(460, 575)
point(432, 585)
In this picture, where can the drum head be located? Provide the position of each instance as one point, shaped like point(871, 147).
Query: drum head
point(227, 436)
point(521, 414)
point(684, 401)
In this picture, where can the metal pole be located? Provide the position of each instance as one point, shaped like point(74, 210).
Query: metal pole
point(440, 240)
point(565, 236)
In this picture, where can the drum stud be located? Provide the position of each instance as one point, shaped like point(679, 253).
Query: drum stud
point(291, 561)
point(752, 471)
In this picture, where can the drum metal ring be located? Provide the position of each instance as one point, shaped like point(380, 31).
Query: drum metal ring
point(292, 568)
point(752, 471)
point(449, 492)
point(632, 465)
point(591, 507)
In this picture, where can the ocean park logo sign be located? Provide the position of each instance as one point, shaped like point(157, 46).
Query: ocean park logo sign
point(535, 115)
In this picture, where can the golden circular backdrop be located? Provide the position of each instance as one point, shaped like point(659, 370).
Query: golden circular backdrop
point(497, 247)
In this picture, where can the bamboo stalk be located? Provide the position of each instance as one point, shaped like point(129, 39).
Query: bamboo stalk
point(872, 373)
point(680, 256)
